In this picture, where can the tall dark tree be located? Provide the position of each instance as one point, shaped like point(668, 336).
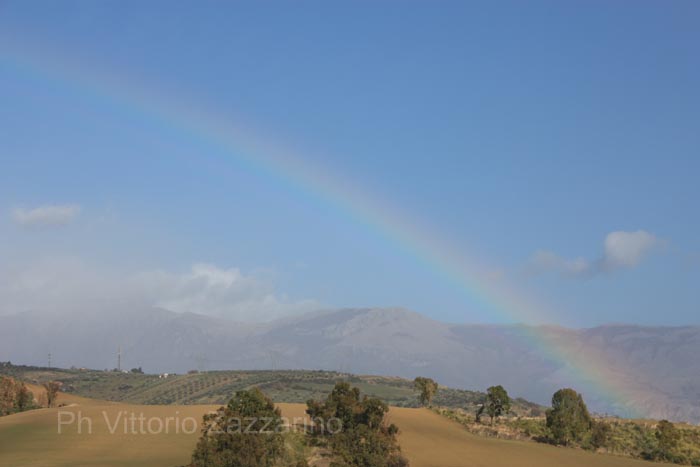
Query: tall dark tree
point(568, 419)
point(497, 402)
point(427, 388)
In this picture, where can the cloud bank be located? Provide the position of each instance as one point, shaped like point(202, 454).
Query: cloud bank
point(208, 289)
point(621, 250)
point(44, 216)
point(71, 285)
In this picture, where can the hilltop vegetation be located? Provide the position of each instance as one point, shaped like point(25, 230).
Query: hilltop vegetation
point(639, 439)
point(216, 387)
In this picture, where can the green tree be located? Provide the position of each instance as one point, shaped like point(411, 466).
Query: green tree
point(245, 433)
point(568, 419)
point(372, 412)
point(427, 388)
point(497, 402)
point(365, 439)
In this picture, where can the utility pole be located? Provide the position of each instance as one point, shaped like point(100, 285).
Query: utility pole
point(49, 359)
point(119, 358)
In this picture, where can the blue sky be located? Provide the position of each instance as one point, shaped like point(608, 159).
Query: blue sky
point(524, 133)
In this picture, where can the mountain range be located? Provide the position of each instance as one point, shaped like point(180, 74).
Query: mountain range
point(651, 372)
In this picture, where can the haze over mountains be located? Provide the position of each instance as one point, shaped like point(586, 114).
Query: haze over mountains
point(658, 366)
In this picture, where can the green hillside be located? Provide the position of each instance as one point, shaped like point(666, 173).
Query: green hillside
point(216, 387)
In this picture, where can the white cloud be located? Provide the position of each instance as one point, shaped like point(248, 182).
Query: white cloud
point(64, 285)
point(208, 289)
point(627, 249)
point(49, 215)
point(621, 250)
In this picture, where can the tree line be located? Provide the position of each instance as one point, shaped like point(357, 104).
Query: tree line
point(16, 397)
point(568, 422)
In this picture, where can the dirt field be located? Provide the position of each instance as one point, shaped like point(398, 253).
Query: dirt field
point(32, 438)
point(428, 440)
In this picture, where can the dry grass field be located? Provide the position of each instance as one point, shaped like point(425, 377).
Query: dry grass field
point(427, 439)
point(32, 438)
point(430, 440)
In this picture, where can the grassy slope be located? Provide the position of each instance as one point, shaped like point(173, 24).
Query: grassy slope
point(428, 440)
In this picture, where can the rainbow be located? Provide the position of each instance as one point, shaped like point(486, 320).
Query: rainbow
point(429, 247)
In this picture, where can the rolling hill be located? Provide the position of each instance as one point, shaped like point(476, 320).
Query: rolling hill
point(657, 364)
point(216, 387)
point(31, 439)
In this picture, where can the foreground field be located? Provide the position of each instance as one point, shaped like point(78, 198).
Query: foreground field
point(427, 439)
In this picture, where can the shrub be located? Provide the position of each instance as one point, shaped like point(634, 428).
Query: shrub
point(245, 433)
point(365, 439)
point(600, 432)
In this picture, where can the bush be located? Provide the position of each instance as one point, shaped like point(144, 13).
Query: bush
point(365, 440)
point(668, 438)
point(363, 446)
point(600, 432)
point(245, 433)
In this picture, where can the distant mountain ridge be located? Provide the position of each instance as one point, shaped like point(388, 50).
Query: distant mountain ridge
point(658, 366)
